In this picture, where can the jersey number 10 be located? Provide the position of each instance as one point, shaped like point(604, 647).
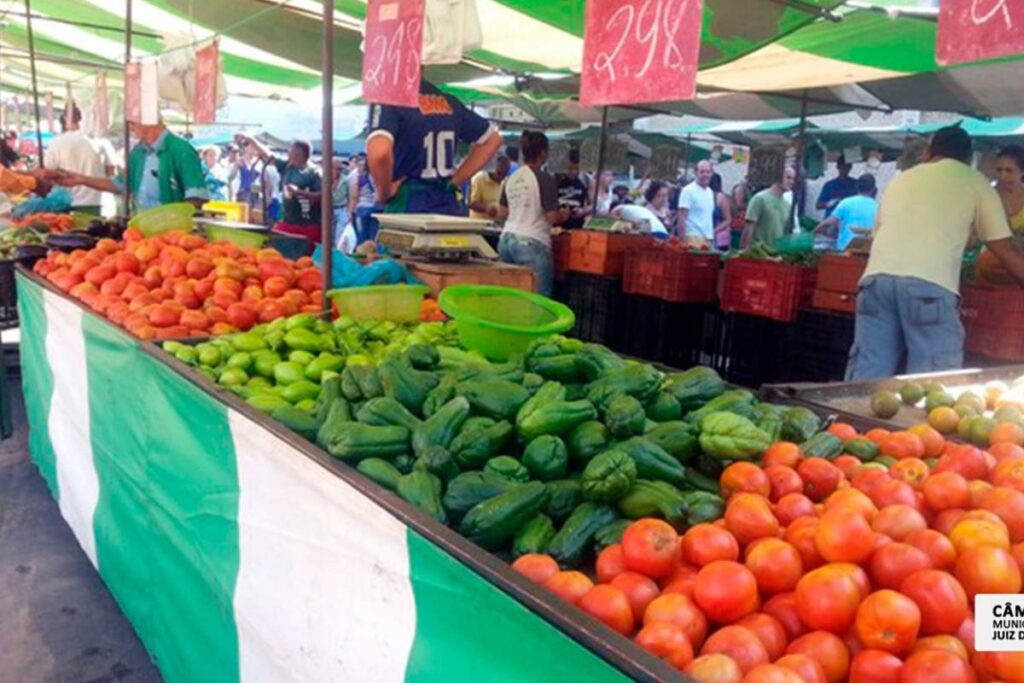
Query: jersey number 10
point(439, 148)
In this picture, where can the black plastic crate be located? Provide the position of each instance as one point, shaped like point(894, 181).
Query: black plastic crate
point(599, 307)
point(823, 330)
point(644, 330)
point(752, 350)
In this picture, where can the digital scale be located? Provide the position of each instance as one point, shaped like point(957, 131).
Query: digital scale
point(434, 237)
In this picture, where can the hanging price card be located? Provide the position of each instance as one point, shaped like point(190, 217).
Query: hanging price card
point(971, 30)
point(204, 103)
point(640, 51)
point(392, 53)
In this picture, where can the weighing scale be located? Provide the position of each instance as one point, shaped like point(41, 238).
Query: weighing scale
point(433, 236)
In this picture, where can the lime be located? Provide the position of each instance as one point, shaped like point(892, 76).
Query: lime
point(884, 404)
point(937, 399)
point(911, 393)
point(240, 360)
point(288, 372)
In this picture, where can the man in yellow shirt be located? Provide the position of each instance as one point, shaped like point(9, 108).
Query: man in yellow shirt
point(908, 307)
point(485, 189)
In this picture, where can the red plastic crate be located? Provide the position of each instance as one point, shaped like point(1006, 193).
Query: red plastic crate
point(841, 273)
point(670, 274)
point(994, 321)
point(599, 252)
point(768, 289)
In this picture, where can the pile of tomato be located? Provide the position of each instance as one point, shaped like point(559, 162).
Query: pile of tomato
point(179, 285)
point(824, 571)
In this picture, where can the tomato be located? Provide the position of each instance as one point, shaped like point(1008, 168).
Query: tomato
point(609, 605)
point(1017, 550)
point(571, 586)
point(875, 666)
point(609, 563)
point(800, 534)
point(965, 460)
point(805, 667)
point(912, 471)
point(868, 479)
point(309, 281)
point(945, 643)
point(893, 492)
point(744, 477)
point(792, 506)
point(661, 638)
point(827, 598)
point(898, 521)
point(536, 567)
point(1007, 665)
point(888, 621)
point(705, 543)
point(240, 316)
point(844, 431)
point(749, 517)
point(769, 631)
point(901, 445)
point(1002, 451)
point(681, 611)
point(270, 310)
point(195, 320)
point(651, 547)
point(782, 453)
point(776, 565)
point(738, 643)
point(726, 591)
point(164, 316)
point(828, 650)
point(783, 608)
point(931, 666)
point(716, 668)
point(849, 465)
point(974, 533)
point(894, 562)
point(639, 590)
point(851, 499)
point(844, 535)
point(784, 480)
point(771, 673)
point(681, 581)
point(1008, 505)
point(987, 570)
point(820, 478)
point(946, 490)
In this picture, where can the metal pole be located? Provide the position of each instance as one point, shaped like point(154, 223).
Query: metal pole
point(35, 85)
point(127, 129)
point(327, 152)
point(799, 190)
point(686, 156)
point(600, 155)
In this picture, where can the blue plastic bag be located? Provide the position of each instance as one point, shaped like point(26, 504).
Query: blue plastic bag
point(347, 272)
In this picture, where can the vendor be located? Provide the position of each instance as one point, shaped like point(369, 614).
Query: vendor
point(573, 194)
point(1010, 185)
point(485, 190)
point(837, 189)
point(768, 212)
point(300, 188)
point(529, 201)
point(164, 169)
point(854, 217)
point(411, 152)
point(908, 306)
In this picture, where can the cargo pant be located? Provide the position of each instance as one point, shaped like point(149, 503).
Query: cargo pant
point(905, 320)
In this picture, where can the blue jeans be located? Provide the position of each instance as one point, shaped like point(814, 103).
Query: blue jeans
point(366, 224)
point(905, 319)
point(535, 255)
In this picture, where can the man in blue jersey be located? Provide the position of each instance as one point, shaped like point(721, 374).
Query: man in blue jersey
point(411, 152)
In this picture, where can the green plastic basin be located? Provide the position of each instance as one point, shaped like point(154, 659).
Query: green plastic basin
point(164, 218)
point(500, 322)
point(239, 236)
point(396, 303)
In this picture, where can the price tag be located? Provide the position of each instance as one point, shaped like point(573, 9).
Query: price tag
point(971, 30)
point(205, 96)
point(393, 50)
point(640, 51)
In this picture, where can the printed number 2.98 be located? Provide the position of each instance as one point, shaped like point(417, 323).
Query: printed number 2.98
point(439, 148)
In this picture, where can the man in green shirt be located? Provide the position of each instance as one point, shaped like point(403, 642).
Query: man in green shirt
point(768, 212)
point(163, 169)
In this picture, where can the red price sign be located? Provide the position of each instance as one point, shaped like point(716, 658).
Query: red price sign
point(640, 51)
point(133, 92)
point(393, 49)
point(971, 30)
point(205, 97)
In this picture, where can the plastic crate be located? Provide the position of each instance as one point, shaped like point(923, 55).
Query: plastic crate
point(820, 330)
point(560, 248)
point(599, 306)
point(828, 300)
point(994, 322)
point(600, 253)
point(767, 289)
point(671, 274)
point(841, 273)
point(751, 350)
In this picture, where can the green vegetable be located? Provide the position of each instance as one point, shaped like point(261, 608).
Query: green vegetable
point(822, 445)
point(799, 424)
point(546, 458)
point(330, 391)
point(663, 407)
point(534, 536)
point(301, 357)
point(475, 424)
point(267, 403)
point(300, 391)
point(677, 438)
point(695, 387)
point(770, 424)
point(624, 416)
point(473, 449)
point(557, 417)
point(508, 467)
point(209, 355)
point(423, 490)
point(407, 386)
point(610, 534)
point(652, 462)
point(437, 461)
point(355, 442)
point(264, 362)
point(296, 420)
point(563, 497)
point(586, 440)
point(493, 523)
point(595, 361)
point(441, 428)
point(304, 340)
point(470, 488)
point(729, 402)
point(549, 392)
point(637, 380)
point(248, 341)
point(383, 411)
point(367, 381)
point(289, 372)
point(381, 471)
point(561, 368)
point(608, 477)
point(422, 356)
point(703, 507)
point(698, 481)
point(576, 536)
point(439, 395)
point(325, 362)
point(727, 436)
point(404, 463)
point(863, 449)
point(495, 398)
point(336, 419)
point(532, 382)
point(303, 320)
point(655, 499)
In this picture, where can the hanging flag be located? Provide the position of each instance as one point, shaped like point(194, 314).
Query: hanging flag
point(101, 107)
point(204, 108)
point(392, 51)
point(972, 30)
point(640, 51)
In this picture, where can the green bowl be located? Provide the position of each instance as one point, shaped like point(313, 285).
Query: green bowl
point(396, 303)
point(500, 322)
point(164, 218)
point(239, 236)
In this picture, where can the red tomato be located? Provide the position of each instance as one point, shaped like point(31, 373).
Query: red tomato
point(987, 570)
point(660, 638)
point(966, 460)
point(875, 666)
point(912, 471)
point(826, 649)
point(888, 621)
point(898, 521)
point(793, 506)
point(241, 316)
point(945, 643)
point(739, 644)
point(681, 581)
point(800, 535)
point(776, 565)
point(198, 268)
point(894, 562)
point(705, 543)
point(844, 535)
point(609, 563)
point(726, 591)
point(931, 666)
point(783, 480)
point(571, 586)
point(849, 465)
point(537, 568)
point(820, 478)
point(868, 479)
point(1008, 505)
point(610, 605)
point(850, 498)
point(716, 668)
point(827, 598)
point(769, 631)
point(744, 477)
point(639, 590)
point(844, 431)
point(771, 673)
point(893, 492)
point(651, 547)
point(808, 669)
point(946, 490)
point(783, 608)
point(782, 453)
point(275, 286)
point(681, 611)
point(1009, 472)
point(749, 517)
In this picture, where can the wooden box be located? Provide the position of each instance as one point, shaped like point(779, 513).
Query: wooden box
point(828, 300)
point(437, 276)
point(841, 273)
point(601, 253)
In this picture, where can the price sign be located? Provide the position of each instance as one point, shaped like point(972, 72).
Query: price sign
point(205, 96)
point(393, 50)
point(970, 30)
point(133, 92)
point(639, 51)
point(767, 164)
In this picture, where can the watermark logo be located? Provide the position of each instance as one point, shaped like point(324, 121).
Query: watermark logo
point(999, 623)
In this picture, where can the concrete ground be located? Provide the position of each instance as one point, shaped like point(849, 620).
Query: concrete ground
point(58, 622)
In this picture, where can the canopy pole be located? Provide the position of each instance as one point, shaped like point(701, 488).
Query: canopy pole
point(35, 85)
point(127, 129)
point(799, 190)
point(686, 156)
point(327, 154)
point(601, 150)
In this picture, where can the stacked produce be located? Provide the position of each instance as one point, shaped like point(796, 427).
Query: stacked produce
point(12, 240)
point(48, 222)
point(858, 563)
point(178, 285)
point(761, 251)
